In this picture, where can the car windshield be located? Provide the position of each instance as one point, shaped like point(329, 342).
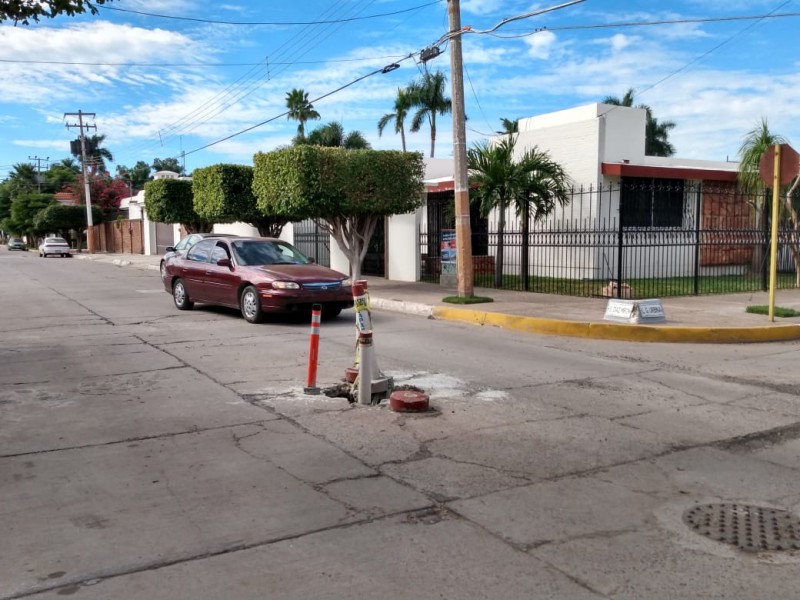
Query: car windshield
point(264, 252)
point(55, 240)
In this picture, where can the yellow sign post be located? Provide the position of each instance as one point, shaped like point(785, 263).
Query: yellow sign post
point(778, 166)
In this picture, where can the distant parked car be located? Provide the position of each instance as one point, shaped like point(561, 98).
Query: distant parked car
point(54, 246)
point(255, 275)
point(15, 243)
point(187, 242)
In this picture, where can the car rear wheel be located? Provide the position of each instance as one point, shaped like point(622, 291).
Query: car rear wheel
point(182, 301)
point(250, 304)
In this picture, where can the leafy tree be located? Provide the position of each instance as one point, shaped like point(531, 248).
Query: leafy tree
point(5, 200)
point(105, 192)
point(24, 208)
point(656, 142)
point(428, 96)
point(402, 104)
point(532, 185)
point(509, 126)
point(300, 110)
point(25, 11)
point(171, 201)
point(23, 179)
point(332, 135)
point(65, 218)
point(346, 192)
point(61, 174)
point(168, 164)
point(96, 154)
point(137, 176)
point(755, 143)
point(224, 194)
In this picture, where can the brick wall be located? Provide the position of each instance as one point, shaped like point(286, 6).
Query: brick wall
point(725, 210)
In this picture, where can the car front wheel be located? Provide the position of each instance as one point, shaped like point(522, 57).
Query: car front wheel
point(250, 304)
point(182, 301)
point(163, 269)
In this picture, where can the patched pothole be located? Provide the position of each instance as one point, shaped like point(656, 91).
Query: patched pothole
point(748, 527)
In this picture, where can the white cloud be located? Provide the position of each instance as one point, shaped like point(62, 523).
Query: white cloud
point(541, 44)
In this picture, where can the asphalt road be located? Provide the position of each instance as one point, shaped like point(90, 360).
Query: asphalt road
point(152, 453)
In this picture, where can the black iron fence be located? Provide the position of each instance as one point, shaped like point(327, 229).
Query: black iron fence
point(312, 241)
point(638, 239)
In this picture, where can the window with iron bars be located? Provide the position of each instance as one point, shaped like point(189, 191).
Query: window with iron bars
point(651, 202)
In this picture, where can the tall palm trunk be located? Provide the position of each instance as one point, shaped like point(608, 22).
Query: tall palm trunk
point(525, 246)
point(498, 263)
point(433, 137)
point(403, 137)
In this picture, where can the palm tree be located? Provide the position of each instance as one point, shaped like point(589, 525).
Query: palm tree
point(402, 104)
point(544, 186)
point(495, 179)
point(755, 143)
point(509, 126)
point(300, 109)
point(22, 179)
point(428, 97)
point(97, 155)
point(533, 185)
point(332, 135)
point(656, 142)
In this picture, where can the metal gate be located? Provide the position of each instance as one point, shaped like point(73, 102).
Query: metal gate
point(312, 241)
point(165, 236)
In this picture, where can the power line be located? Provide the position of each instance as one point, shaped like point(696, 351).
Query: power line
point(648, 23)
point(320, 22)
point(202, 64)
point(386, 69)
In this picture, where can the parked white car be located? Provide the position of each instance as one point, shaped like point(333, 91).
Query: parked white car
point(54, 245)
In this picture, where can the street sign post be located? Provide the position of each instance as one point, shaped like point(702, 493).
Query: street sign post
point(778, 166)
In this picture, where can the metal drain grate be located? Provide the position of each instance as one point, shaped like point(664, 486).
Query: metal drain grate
point(750, 528)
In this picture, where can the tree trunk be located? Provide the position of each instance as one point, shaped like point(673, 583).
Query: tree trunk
point(352, 235)
point(269, 226)
point(525, 246)
point(433, 138)
point(501, 225)
point(403, 137)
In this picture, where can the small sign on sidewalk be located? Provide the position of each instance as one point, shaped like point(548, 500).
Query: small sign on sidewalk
point(635, 311)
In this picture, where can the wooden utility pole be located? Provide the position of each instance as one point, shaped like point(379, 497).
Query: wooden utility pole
point(460, 180)
point(80, 124)
point(39, 161)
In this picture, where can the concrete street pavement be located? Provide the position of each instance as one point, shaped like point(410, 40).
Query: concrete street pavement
point(693, 319)
point(147, 453)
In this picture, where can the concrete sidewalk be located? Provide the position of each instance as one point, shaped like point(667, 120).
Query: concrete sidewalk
point(694, 319)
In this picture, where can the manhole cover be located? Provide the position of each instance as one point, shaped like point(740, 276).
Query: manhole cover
point(750, 528)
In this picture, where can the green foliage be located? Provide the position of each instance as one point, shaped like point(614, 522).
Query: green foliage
point(467, 299)
point(59, 175)
point(167, 164)
point(5, 200)
point(429, 97)
point(137, 175)
point(61, 218)
point(171, 201)
point(24, 11)
point(402, 104)
point(300, 109)
point(224, 194)
point(780, 311)
point(327, 183)
point(24, 209)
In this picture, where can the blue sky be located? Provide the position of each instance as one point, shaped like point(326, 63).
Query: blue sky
point(163, 86)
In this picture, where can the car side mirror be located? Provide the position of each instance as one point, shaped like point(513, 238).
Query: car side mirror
point(311, 259)
point(170, 249)
point(224, 262)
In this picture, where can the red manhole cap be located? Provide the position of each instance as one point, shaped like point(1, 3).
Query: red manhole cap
point(408, 401)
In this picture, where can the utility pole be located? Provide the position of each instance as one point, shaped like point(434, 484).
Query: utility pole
point(460, 180)
point(80, 124)
point(39, 169)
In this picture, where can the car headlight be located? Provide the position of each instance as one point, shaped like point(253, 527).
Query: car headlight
point(285, 285)
point(347, 283)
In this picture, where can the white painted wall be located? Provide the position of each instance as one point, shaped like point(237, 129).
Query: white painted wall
point(402, 249)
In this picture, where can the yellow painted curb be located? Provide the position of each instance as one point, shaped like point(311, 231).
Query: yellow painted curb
point(620, 331)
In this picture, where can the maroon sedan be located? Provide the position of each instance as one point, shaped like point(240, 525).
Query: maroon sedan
point(255, 275)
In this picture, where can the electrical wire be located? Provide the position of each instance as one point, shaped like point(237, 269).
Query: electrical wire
point(319, 22)
point(203, 64)
point(649, 23)
point(385, 69)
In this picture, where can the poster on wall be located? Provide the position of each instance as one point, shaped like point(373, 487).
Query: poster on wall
point(449, 258)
